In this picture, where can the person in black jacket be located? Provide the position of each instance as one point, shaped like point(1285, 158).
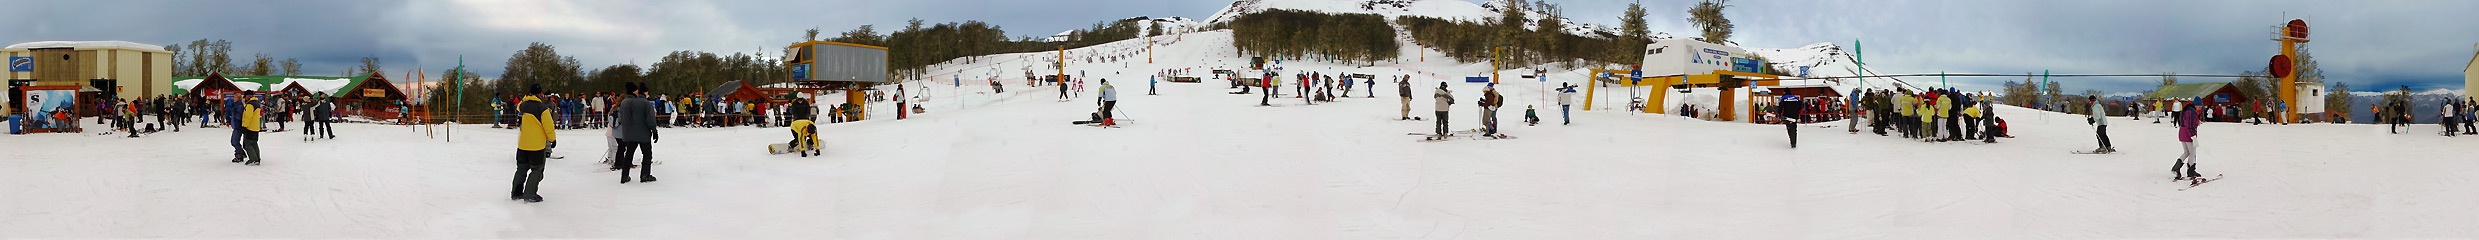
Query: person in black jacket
point(1402, 86)
point(1789, 106)
point(635, 125)
point(326, 113)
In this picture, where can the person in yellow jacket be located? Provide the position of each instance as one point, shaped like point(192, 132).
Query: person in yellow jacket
point(1903, 107)
point(804, 138)
point(1945, 116)
point(251, 124)
point(534, 143)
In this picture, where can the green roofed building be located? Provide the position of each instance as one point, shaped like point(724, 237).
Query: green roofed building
point(315, 84)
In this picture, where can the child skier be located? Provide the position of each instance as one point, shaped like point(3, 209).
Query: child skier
point(1529, 119)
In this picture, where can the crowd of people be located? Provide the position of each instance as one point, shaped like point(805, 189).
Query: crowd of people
point(1934, 115)
point(587, 110)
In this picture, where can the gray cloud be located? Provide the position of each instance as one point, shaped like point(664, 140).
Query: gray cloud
point(2366, 43)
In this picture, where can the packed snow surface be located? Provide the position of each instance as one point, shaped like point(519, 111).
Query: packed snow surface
point(1197, 163)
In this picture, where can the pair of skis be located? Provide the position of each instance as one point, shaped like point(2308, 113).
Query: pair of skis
point(2192, 182)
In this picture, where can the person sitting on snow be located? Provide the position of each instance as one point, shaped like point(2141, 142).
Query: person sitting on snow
point(1529, 118)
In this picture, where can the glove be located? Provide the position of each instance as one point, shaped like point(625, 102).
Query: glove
point(2088, 121)
point(552, 144)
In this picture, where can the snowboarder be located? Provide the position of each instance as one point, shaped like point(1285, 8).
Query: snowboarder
point(2101, 125)
point(2187, 122)
point(1404, 87)
point(1152, 84)
point(534, 143)
point(1108, 100)
point(1566, 103)
point(635, 124)
point(804, 138)
point(1444, 98)
point(1062, 89)
point(1790, 107)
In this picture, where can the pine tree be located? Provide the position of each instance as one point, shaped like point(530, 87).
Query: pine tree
point(1707, 15)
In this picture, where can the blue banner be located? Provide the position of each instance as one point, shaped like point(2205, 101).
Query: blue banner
point(800, 71)
point(21, 64)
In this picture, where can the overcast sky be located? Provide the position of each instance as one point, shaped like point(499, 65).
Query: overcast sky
point(2368, 44)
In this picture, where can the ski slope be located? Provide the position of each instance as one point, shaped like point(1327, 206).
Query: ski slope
point(1197, 163)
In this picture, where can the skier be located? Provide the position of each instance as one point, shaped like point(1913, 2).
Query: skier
point(1566, 103)
point(1151, 85)
point(534, 143)
point(1108, 100)
point(1404, 87)
point(1490, 100)
point(2101, 125)
point(635, 124)
point(2187, 122)
point(1790, 107)
point(1444, 98)
point(1371, 86)
point(1062, 89)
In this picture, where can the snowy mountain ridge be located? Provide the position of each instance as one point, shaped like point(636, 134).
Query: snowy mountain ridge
point(1445, 9)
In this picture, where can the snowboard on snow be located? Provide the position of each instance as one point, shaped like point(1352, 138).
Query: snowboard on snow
point(2201, 181)
point(781, 148)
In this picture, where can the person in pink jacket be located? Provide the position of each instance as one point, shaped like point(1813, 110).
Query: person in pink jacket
point(2187, 122)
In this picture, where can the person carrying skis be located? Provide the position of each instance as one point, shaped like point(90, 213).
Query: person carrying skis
point(1444, 98)
point(2187, 122)
point(2101, 125)
point(1566, 103)
point(1790, 107)
point(533, 146)
point(1108, 100)
point(635, 124)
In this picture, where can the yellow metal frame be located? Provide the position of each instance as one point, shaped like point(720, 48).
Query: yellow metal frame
point(1721, 80)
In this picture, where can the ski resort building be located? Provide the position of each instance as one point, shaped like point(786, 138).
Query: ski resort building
point(2205, 94)
point(2470, 73)
point(126, 70)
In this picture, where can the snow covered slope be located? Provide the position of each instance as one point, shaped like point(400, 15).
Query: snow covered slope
point(1197, 163)
point(1445, 9)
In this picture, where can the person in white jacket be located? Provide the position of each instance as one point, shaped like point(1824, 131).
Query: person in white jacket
point(1566, 101)
point(2098, 118)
